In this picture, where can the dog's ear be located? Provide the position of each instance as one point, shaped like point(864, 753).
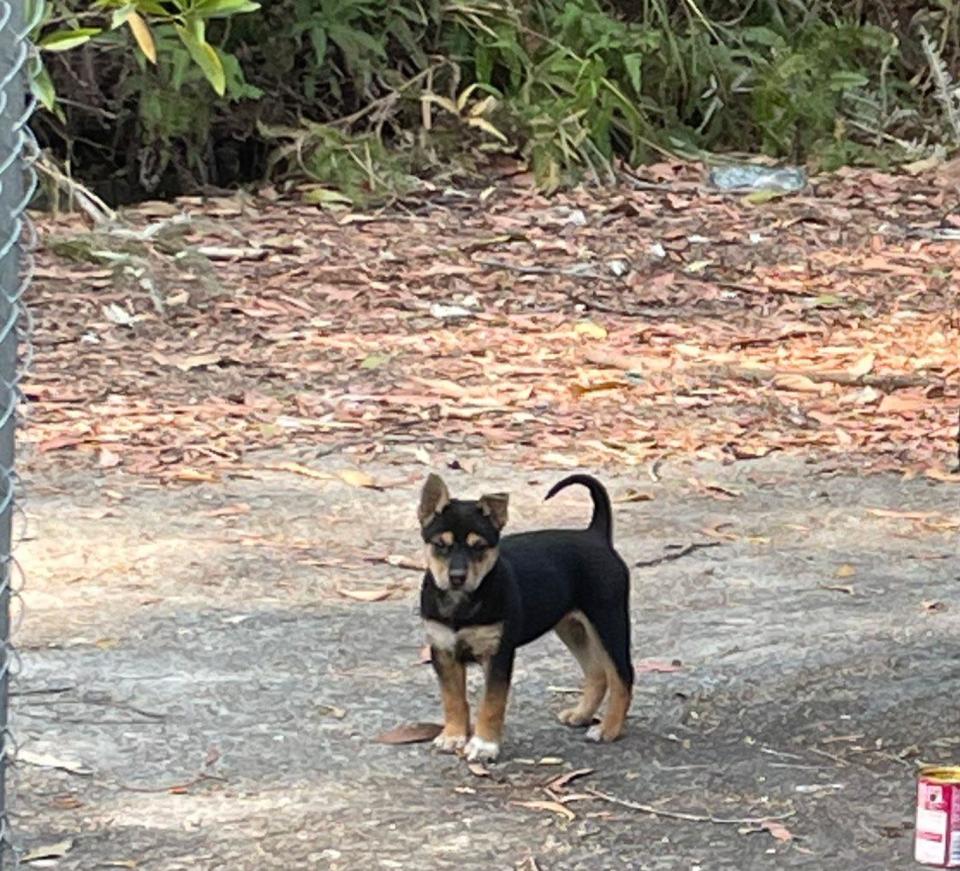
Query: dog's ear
point(494, 505)
point(433, 498)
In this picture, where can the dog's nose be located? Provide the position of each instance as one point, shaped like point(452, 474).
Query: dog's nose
point(458, 579)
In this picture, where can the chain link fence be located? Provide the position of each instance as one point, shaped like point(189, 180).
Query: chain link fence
point(18, 150)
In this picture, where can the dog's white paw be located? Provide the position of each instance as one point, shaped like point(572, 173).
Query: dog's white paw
point(479, 750)
point(449, 743)
point(595, 733)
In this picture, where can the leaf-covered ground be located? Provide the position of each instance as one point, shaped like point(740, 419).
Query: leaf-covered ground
point(658, 320)
point(220, 621)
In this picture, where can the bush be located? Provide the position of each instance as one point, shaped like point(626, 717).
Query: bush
point(358, 95)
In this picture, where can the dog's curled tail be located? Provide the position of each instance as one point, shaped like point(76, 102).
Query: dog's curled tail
point(602, 520)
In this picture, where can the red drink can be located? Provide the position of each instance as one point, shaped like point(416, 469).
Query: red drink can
point(937, 840)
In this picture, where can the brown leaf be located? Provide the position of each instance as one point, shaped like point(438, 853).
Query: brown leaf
point(943, 475)
point(845, 571)
point(651, 666)
point(896, 404)
point(580, 389)
point(477, 770)
point(799, 383)
point(366, 595)
point(904, 515)
point(552, 806)
point(632, 495)
point(410, 733)
point(778, 830)
point(426, 656)
point(229, 510)
point(356, 478)
point(561, 782)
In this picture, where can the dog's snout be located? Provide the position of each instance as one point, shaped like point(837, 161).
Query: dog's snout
point(458, 578)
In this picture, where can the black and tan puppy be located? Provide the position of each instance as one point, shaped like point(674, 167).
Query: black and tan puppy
point(484, 596)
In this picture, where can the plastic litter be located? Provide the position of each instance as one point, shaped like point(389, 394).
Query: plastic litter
point(752, 177)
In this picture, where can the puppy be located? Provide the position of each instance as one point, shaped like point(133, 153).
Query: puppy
point(484, 595)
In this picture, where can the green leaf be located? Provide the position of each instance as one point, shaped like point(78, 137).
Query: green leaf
point(63, 40)
point(632, 64)
point(845, 80)
point(205, 56)
point(119, 17)
point(42, 87)
point(224, 8)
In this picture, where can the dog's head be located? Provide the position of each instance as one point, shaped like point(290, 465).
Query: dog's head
point(461, 535)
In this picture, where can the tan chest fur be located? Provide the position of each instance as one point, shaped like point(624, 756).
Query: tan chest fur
point(479, 641)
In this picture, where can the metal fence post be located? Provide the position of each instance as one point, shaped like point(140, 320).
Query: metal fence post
point(16, 145)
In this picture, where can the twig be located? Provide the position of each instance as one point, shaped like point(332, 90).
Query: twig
point(686, 549)
point(693, 818)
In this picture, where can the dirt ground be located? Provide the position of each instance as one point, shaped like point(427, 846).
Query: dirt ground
point(197, 694)
point(233, 403)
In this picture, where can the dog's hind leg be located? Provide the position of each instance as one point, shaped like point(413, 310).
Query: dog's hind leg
point(584, 644)
point(612, 626)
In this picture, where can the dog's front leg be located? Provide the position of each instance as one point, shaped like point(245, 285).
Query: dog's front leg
point(485, 743)
point(456, 710)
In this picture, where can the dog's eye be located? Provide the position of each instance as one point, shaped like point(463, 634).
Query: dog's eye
point(442, 547)
point(478, 547)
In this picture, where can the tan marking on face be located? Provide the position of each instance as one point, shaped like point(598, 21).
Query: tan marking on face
point(438, 568)
point(481, 641)
point(445, 538)
point(600, 674)
point(453, 691)
point(478, 569)
point(474, 540)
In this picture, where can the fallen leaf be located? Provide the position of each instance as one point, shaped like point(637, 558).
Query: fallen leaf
point(904, 515)
point(561, 782)
point(425, 655)
point(332, 711)
point(778, 830)
point(578, 389)
point(552, 806)
point(229, 510)
point(50, 851)
point(108, 459)
point(356, 478)
point(66, 802)
point(366, 595)
point(845, 571)
point(893, 404)
point(933, 605)
point(838, 588)
point(863, 366)
point(632, 495)
point(590, 329)
point(943, 476)
point(298, 469)
point(550, 760)
point(198, 361)
point(48, 760)
point(799, 384)
point(410, 733)
point(375, 361)
point(653, 666)
point(477, 770)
